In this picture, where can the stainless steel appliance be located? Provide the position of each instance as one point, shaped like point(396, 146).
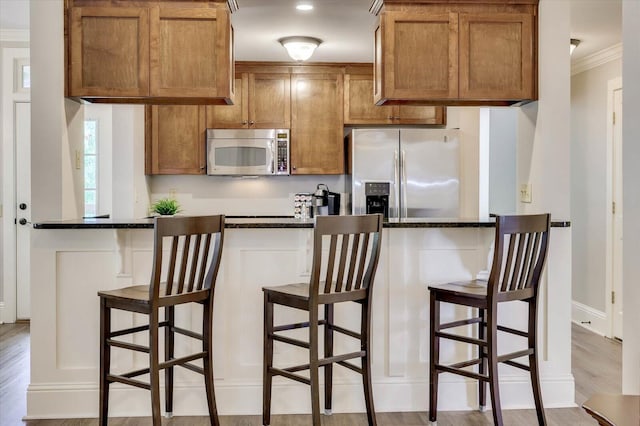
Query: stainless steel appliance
point(248, 151)
point(405, 173)
point(325, 202)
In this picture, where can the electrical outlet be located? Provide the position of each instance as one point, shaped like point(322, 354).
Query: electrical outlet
point(525, 193)
point(172, 192)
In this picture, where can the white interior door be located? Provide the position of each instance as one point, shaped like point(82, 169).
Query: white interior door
point(616, 297)
point(16, 143)
point(23, 207)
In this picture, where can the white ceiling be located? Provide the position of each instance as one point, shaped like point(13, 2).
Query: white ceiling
point(14, 14)
point(346, 27)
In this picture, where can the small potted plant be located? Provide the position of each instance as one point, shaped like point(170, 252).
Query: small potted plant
point(165, 207)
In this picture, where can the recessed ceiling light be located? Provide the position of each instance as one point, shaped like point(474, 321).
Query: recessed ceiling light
point(305, 7)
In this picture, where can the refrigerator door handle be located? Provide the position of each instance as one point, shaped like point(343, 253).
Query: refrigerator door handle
point(403, 185)
point(396, 177)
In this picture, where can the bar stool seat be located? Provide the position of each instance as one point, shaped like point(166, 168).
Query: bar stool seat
point(351, 262)
point(188, 276)
point(614, 410)
point(520, 251)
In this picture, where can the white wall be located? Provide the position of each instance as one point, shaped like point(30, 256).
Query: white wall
point(543, 159)
point(589, 165)
point(502, 160)
point(631, 197)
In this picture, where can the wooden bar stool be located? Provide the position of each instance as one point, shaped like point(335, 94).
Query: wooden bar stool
point(188, 276)
point(520, 252)
point(354, 249)
point(614, 410)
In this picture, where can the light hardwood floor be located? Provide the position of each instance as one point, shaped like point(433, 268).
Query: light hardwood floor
point(597, 366)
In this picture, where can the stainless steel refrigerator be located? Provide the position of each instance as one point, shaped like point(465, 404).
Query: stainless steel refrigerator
point(405, 173)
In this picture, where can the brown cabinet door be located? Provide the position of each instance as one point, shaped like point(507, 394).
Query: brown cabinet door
point(175, 140)
point(418, 54)
point(317, 145)
point(231, 116)
point(420, 115)
point(269, 101)
point(190, 52)
point(109, 51)
point(359, 107)
point(496, 56)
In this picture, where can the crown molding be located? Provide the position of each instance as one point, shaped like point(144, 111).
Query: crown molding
point(596, 59)
point(14, 35)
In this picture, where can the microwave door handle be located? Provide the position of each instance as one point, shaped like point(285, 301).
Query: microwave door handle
point(272, 166)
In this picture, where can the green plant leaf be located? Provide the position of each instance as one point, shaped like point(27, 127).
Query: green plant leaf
point(166, 206)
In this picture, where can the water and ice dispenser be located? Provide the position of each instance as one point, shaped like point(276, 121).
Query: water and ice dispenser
point(377, 197)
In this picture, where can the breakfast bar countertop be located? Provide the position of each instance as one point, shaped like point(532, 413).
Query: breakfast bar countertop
point(262, 222)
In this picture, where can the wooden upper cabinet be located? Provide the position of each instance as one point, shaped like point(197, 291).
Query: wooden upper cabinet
point(175, 140)
point(108, 52)
point(456, 53)
point(151, 52)
point(359, 107)
point(189, 54)
point(317, 145)
point(269, 101)
point(234, 116)
point(496, 56)
point(263, 101)
point(418, 56)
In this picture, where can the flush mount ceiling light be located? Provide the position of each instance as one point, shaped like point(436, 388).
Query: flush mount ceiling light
point(574, 43)
point(300, 48)
point(305, 7)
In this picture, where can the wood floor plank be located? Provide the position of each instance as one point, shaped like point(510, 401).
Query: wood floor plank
point(596, 361)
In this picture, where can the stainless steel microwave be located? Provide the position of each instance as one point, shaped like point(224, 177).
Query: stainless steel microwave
point(248, 152)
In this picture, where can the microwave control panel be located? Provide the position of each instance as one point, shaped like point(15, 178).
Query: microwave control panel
point(282, 153)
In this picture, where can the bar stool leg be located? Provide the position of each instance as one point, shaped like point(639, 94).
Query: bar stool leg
point(533, 363)
point(105, 361)
point(365, 344)
point(154, 373)
point(267, 363)
point(328, 352)
point(482, 367)
point(313, 366)
point(492, 349)
point(169, 344)
point(207, 346)
point(434, 358)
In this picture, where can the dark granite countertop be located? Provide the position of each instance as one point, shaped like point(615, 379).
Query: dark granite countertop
point(266, 222)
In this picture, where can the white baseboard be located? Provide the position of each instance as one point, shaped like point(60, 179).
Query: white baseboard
point(589, 318)
point(1, 312)
point(50, 401)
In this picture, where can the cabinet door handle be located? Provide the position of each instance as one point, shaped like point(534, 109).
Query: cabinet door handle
point(293, 167)
point(244, 122)
point(389, 118)
point(252, 122)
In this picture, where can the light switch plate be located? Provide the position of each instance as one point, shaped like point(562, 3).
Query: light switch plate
point(78, 163)
point(525, 193)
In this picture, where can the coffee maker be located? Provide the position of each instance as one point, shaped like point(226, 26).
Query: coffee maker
point(377, 198)
point(325, 202)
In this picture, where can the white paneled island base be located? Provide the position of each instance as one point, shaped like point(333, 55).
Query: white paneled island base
point(69, 266)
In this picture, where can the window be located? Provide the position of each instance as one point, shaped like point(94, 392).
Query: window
point(26, 77)
point(22, 73)
point(90, 167)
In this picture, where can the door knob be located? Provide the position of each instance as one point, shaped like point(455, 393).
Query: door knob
point(22, 206)
point(22, 221)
